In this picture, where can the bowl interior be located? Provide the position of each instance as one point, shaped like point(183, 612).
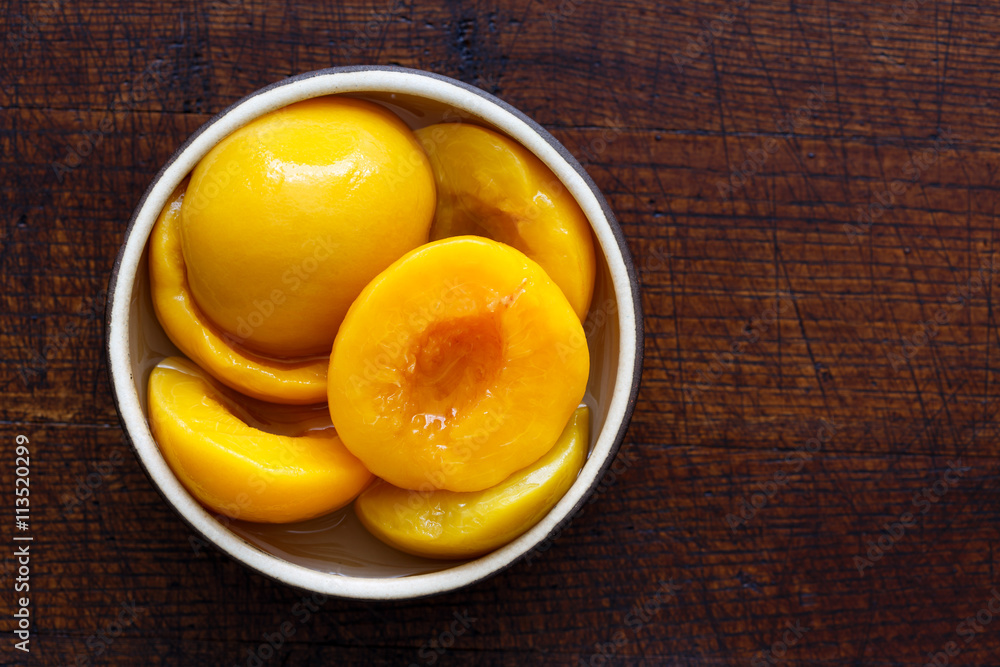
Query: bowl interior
point(337, 544)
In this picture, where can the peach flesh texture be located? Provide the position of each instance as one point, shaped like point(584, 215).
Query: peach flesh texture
point(458, 365)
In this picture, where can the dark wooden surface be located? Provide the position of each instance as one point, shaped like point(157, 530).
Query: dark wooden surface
point(904, 101)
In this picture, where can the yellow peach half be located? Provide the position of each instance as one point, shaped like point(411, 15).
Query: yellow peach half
point(280, 381)
point(288, 218)
point(489, 185)
point(456, 366)
point(448, 524)
point(241, 471)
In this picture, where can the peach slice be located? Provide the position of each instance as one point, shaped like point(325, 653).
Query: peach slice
point(489, 185)
point(241, 471)
point(279, 381)
point(446, 524)
point(456, 366)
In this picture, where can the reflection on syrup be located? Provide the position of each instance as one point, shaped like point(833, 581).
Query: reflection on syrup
point(336, 543)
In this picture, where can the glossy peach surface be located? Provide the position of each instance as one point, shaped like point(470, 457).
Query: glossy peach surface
point(458, 365)
point(288, 218)
point(448, 524)
point(275, 380)
point(239, 470)
point(489, 185)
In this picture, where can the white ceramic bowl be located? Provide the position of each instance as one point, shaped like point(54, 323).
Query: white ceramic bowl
point(334, 555)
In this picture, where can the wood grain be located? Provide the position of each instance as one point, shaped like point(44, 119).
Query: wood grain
point(733, 202)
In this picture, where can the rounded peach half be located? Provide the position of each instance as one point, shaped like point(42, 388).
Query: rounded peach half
point(241, 471)
point(281, 381)
point(448, 524)
point(289, 217)
point(456, 366)
point(489, 185)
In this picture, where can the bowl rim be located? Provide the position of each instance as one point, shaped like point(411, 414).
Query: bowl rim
point(479, 104)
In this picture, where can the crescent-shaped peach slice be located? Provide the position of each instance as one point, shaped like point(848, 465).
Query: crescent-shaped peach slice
point(241, 471)
point(293, 381)
point(448, 524)
point(489, 185)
